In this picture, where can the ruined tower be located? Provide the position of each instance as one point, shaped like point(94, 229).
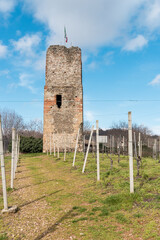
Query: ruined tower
point(63, 98)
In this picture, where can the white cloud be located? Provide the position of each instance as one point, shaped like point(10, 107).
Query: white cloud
point(150, 15)
point(89, 23)
point(98, 23)
point(155, 81)
point(4, 72)
point(156, 129)
point(3, 50)
point(89, 116)
point(135, 44)
point(92, 65)
point(7, 6)
point(27, 44)
point(108, 58)
point(26, 81)
point(40, 62)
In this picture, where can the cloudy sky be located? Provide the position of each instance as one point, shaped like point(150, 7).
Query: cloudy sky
point(120, 42)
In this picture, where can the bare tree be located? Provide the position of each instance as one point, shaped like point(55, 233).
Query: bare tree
point(34, 128)
point(11, 119)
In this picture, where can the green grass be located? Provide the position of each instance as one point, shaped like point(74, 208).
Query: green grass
point(3, 236)
point(99, 210)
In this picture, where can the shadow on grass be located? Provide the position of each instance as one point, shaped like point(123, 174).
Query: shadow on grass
point(17, 189)
point(38, 199)
point(27, 170)
point(33, 175)
point(52, 228)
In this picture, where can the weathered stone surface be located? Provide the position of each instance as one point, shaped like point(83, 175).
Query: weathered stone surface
point(63, 77)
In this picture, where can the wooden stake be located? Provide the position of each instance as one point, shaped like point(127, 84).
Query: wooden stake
point(84, 165)
point(130, 151)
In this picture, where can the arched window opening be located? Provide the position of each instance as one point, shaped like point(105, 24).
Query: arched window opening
point(59, 100)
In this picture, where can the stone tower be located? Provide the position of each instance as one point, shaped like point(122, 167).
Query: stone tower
point(63, 98)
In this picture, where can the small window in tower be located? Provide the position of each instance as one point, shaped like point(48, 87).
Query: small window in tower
point(59, 100)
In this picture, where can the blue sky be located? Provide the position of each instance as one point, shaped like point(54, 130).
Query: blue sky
point(120, 42)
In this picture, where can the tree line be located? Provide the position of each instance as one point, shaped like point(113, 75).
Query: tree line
point(31, 133)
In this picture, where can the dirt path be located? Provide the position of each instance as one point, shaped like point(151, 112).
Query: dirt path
point(57, 202)
point(36, 181)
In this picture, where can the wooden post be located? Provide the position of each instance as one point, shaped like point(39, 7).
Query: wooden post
point(84, 165)
point(3, 169)
point(130, 151)
point(74, 158)
point(13, 156)
point(97, 139)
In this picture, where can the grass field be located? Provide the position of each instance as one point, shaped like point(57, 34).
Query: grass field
point(57, 201)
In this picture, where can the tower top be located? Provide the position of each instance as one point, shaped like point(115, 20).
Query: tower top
point(63, 66)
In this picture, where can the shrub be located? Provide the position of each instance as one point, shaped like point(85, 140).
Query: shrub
point(29, 145)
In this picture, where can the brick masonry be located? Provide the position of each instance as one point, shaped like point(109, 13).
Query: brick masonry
point(63, 77)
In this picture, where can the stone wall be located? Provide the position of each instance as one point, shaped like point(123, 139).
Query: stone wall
point(63, 77)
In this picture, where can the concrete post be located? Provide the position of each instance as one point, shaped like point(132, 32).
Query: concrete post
point(54, 147)
point(84, 145)
point(3, 169)
point(50, 146)
point(19, 141)
point(58, 152)
point(89, 143)
point(139, 144)
point(74, 158)
point(113, 144)
point(123, 145)
point(110, 144)
point(65, 153)
point(135, 146)
point(130, 151)
point(13, 155)
point(159, 148)
point(141, 149)
point(97, 140)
